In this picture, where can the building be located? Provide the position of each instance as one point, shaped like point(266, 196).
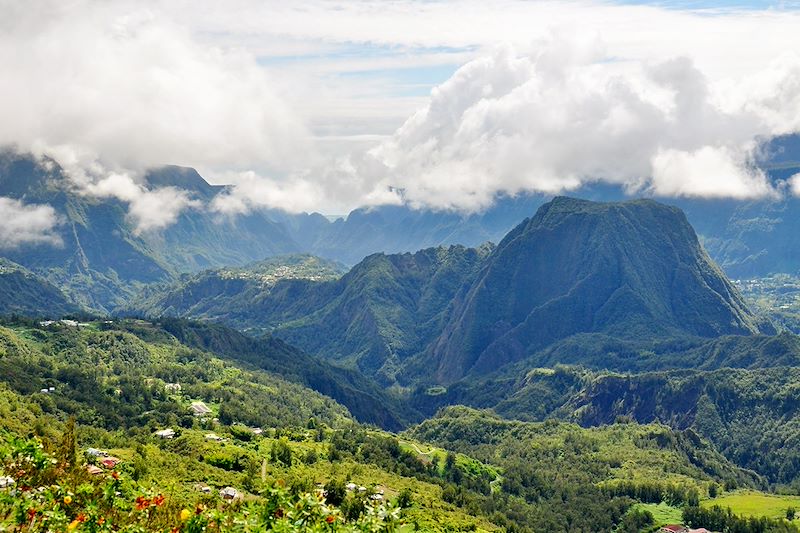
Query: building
point(110, 462)
point(172, 387)
point(199, 409)
point(229, 493)
point(94, 452)
point(93, 470)
point(165, 433)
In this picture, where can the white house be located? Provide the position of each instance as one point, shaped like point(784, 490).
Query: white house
point(165, 433)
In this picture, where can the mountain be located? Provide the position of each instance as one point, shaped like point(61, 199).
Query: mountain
point(608, 285)
point(24, 293)
point(631, 270)
point(230, 294)
point(103, 259)
point(100, 258)
point(385, 309)
point(365, 400)
point(400, 229)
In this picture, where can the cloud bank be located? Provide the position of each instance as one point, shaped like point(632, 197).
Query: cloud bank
point(27, 224)
point(567, 115)
point(580, 92)
point(109, 89)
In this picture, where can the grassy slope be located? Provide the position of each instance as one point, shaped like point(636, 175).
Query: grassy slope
point(750, 503)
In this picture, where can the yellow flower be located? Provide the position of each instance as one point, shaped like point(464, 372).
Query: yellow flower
point(68, 499)
point(72, 525)
point(185, 514)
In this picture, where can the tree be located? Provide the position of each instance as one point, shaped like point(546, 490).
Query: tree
point(68, 449)
point(404, 499)
point(281, 453)
point(335, 491)
point(790, 513)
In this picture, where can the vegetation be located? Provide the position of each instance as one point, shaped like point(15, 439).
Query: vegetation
point(24, 293)
point(748, 503)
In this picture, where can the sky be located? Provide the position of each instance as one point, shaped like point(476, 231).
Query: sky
point(323, 105)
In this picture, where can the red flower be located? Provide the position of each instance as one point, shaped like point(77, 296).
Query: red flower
point(115, 474)
point(81, 517)
point(142, 503)
point(31, 513)
point(101, 521)
point(158, 500)
point(330, 519)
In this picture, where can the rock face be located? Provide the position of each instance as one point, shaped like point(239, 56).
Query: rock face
point(630, 270)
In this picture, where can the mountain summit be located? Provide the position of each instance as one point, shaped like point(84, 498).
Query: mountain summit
point(628, 270)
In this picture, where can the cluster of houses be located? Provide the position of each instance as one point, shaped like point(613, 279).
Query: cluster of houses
point(103, 459)
point(377, 495)
point(228, 493)
point(65, 322)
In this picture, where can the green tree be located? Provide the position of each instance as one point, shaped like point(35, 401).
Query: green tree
point(68, 449)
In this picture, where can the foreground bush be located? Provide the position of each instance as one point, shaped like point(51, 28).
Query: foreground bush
point(49, 494)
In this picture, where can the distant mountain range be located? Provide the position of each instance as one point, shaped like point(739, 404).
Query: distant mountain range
point(586, 278)
point(103, 261)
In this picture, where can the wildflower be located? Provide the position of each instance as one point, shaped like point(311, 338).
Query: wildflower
point(81, 517)
point(31, 513)
point(142, 503)
point(330, 519)
point(67, 499)
point(101, 521)
point(185, 514)
point(199, 508)
point(72, 525)
point(158, 500)
point(115, 474)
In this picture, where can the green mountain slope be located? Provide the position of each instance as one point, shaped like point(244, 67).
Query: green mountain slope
point(24, 293)
point(368, 402)
point(475, 473)
point(632, 270)
point(749, 415)
point(114, 375)
point(103, 259)
point(385, 309)
point(231, 294)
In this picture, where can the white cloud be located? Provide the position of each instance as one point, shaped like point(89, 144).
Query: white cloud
point(251, 191)
point(27, 224)
point(149, 209)
point(794, 184)
point(111, 89)
point(708, 172)
point(246, 90)
point(566, 115)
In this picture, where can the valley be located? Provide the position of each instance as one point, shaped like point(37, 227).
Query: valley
point(595, 370)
